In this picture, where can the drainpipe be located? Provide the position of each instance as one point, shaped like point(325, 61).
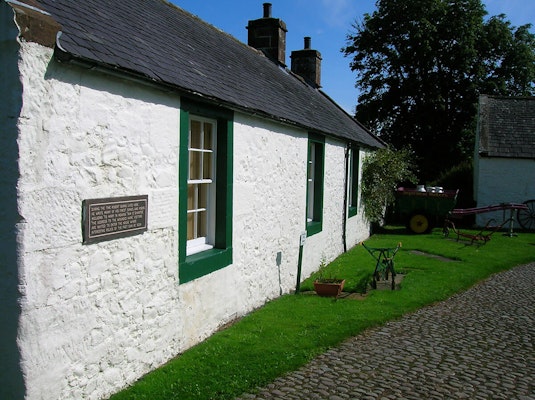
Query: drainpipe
point(302, 240)
point(344, 222)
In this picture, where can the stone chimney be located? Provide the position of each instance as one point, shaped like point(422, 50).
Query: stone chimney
point(307, 64)
point(269, 36)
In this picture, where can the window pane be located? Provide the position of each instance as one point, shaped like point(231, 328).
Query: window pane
point(195, 135)
point(191, 225)
point(195, 165)
point(191, 197)
point(208, 136)
point(207, 166)
point(203, 196)
point(202, 226)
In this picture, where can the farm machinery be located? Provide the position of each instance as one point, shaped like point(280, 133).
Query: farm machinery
point(422, 208)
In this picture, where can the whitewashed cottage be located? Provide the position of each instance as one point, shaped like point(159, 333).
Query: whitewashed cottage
point(504, 159)
point(149, 162)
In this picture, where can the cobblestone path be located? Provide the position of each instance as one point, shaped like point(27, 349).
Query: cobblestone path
point(476, 345)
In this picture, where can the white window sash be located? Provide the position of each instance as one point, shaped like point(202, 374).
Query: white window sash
point(200, 244)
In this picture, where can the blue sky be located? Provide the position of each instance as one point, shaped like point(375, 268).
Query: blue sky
point(327, 22)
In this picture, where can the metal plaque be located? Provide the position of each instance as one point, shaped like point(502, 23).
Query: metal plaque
point(112, 218)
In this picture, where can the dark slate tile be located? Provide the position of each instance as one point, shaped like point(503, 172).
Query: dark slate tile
point(511, 126)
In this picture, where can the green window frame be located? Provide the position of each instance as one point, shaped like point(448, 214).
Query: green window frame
point(353, 181)
point(315, 184)
point(220, 255)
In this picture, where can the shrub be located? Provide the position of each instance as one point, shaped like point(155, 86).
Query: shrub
point(381, 172)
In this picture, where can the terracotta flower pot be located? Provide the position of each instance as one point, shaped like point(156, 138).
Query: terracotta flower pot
point(331, 288)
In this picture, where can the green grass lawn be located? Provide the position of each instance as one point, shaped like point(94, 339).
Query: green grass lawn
point(289, 331)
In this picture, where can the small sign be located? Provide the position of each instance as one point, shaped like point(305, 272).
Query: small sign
point(303, 238)
point(112, 218)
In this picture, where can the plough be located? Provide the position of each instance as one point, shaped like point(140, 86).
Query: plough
point(384, 257)
point(489, 229)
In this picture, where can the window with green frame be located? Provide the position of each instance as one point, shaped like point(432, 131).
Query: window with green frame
point(353, 181)
point(315, 162)
point(205, 190)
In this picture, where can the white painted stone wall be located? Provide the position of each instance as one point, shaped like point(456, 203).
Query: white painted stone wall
point(95, 318)
point(269, 203)
point(503, 180)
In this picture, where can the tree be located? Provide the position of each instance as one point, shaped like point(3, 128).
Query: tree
point(421, 65)
point(507, 58)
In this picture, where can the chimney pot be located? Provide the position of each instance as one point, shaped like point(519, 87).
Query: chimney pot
point(307, 64)
point(267, 10)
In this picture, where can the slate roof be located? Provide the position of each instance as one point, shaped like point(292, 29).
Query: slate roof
point(166, 45)
point(507, 127)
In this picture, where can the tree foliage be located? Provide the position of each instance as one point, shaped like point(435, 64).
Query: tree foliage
point(381, 172)
point(421, 65)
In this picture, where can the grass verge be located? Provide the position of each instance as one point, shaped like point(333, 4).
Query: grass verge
point(289, 331)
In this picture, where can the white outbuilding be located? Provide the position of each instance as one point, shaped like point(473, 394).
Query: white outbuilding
point(504, 159)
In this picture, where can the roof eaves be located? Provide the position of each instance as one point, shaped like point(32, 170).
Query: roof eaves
point(66, 57)
point(89, 61)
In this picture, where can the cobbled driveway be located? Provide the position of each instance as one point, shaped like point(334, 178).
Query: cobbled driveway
point(475, 345)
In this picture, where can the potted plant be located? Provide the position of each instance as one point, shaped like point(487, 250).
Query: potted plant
point(327, 286)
